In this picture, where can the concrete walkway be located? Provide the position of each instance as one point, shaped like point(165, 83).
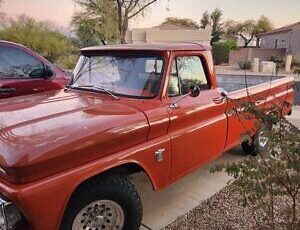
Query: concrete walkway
point(295, 117)
point(162, 208)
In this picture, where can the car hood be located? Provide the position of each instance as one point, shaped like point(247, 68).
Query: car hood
point(45, 133)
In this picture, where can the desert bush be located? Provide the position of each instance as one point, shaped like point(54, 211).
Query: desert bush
point(232, 44)
point(67, 62)
point(222, 49)
point(275, 58)
point(297, 71)
point(269, 183)
point(244, 64)
point(40, 36)
point(221, 52)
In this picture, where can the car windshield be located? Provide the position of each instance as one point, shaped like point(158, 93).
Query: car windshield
point(126, 75)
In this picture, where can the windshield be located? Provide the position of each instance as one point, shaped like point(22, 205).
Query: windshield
point(127, 75)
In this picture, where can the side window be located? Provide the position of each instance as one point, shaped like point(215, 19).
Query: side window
point(187, 71)
point(15, 63)
point(174, 86)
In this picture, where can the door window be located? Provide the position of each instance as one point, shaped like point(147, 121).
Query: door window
point(186, 71)
point(174, 86)
point(15, 63)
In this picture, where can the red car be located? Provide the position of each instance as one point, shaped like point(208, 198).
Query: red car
point(24, 72)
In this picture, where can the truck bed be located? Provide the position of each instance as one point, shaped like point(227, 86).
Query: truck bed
point(237, 82)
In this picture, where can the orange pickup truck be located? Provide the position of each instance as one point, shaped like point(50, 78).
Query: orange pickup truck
point(157, 108)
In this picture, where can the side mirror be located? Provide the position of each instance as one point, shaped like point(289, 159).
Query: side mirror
point(194, 91)
point(48, 71)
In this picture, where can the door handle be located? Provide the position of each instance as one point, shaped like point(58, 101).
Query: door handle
point(258, 102)
point(174, 106)
point(7, 90)
point(219, 100)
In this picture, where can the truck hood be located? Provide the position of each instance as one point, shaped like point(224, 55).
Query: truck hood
point(46, 133)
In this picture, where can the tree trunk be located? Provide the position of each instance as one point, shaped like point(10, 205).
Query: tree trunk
point(123, 32)
point(120, 21)
point(246, 43)
point(257, 42)
point(123, 35)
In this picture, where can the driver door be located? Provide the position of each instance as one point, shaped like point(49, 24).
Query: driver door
point(20, 73)
point(197, 125)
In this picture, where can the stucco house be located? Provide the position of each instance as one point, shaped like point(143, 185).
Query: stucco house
point(287, 37)
point(168, 32)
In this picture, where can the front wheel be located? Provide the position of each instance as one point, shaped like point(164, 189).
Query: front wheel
point(110, 203)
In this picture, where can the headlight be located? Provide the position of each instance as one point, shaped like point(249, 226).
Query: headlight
point(10, 216)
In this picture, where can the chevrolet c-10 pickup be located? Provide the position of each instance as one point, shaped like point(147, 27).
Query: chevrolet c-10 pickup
point(65, 155)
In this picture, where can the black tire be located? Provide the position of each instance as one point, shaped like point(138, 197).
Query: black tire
point(109, 187)
point(248, 148)
point(254, 147)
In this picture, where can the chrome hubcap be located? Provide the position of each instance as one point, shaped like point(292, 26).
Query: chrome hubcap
point(262, 139)
point(102, 214)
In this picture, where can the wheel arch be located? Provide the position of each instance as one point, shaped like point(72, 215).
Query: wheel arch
point(124, 168)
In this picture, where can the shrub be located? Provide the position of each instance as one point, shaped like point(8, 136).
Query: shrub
point(40, 36)
point(221, 52)
point(269, 183)
point(244, 64)
point(222, 49)
point(297, 71)
point(276, 59)
point(232, 44)
point(67, 62)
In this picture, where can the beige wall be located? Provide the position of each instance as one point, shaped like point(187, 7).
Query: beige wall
point(250, 53)
point(138, 36)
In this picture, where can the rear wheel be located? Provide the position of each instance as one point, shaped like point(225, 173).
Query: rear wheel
point(110, 203)
point(257, 144)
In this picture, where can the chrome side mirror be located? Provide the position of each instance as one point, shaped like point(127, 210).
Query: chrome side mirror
point(194, 91)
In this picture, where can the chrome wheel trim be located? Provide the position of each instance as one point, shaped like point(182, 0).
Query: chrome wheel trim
point(100, 215)
point(262, 139)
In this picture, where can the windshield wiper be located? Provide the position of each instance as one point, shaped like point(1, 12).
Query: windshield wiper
point(111, 93)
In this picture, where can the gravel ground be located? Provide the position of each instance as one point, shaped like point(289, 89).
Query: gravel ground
point(221, 211)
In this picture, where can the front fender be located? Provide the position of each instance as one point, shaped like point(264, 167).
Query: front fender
point(43, 202)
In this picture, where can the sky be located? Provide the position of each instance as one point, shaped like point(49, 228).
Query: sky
point(281, 12)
